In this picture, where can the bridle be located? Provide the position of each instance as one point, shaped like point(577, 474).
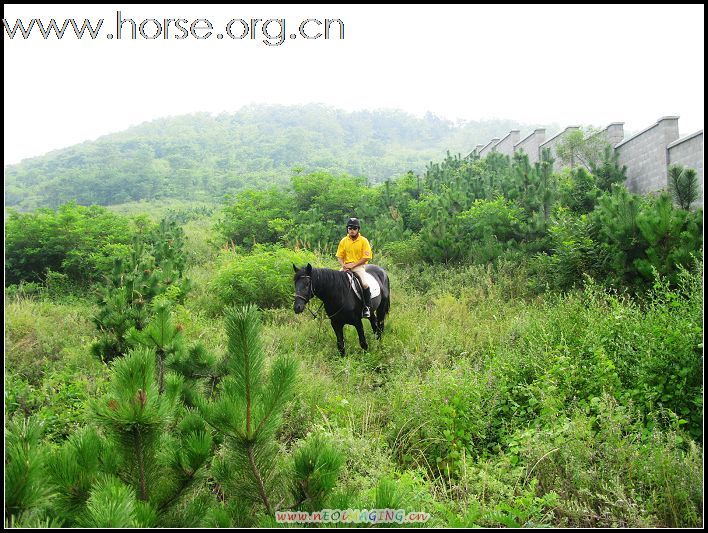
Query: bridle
point(312, 290)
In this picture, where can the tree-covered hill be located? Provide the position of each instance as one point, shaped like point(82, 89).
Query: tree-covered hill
point(204, 156)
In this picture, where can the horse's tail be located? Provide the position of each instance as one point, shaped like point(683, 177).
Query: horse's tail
point(386, 302)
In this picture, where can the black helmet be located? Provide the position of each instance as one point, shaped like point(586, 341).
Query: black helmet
point(353, 223)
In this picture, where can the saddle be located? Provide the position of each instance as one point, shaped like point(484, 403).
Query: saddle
point(355, 282)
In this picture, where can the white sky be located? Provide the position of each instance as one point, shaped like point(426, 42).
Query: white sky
point(570, 65)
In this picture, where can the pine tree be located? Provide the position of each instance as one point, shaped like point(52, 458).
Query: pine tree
point(618, 213)
point(316, 466)
point(25, 493)
point(162, 447)
point(134, 415)
point(608, 172)
point(154, 268)
point(672, 235)
point(247, 412)
point(150, 449)
point(196, 365)
point(683, 185)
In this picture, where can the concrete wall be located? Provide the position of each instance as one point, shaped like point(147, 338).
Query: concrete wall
point(506, 145)
point(488, 147)
point(476, 150)
point(614, 133)
point(551, 145)
point(646, 157)
point(530, 144)
point(688, 151)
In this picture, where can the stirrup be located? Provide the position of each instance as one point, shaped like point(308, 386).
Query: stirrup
point(365, 312)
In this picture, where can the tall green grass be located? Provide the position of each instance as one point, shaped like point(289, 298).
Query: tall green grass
point(487, 404)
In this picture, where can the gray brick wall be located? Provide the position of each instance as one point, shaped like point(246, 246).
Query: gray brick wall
point(646, 157)
point(488, 147)
point(530, 144)
point(614, 133)
point(506, 145)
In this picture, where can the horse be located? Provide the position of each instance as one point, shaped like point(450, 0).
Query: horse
point(340, 303)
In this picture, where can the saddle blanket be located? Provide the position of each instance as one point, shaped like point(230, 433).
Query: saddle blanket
point(374, 287)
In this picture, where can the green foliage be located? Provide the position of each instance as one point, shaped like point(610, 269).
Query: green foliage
point(110, 504)
point(402, 252)
point(24, 462)
point(316, 467)
point(496, 224)
point(134, 415)
point(564, 410)
point(248, 410)
point(154, 271)
point(671, 235)
point(203, 157)
point(643, 235)
point(257, 217)
point(683, 185)
point(323, 203)
point(74, 468)
point(48, 373)
point(608, 471)
point(578, 190)
point(578, 250)
point(608, 171)
point(194, 366)
point(263, 277)
point(582, 147)
point(487, 404)
point(618, 213)
point(668, 334)
point(76, 241)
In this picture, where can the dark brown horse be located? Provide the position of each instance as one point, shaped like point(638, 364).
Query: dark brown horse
point(340, 302)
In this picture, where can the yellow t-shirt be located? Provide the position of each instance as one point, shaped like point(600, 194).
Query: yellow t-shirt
point(352, 251)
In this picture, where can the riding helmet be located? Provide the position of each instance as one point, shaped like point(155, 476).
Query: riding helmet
point(353, 223)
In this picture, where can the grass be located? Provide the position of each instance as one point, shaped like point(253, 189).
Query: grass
point(489, 405)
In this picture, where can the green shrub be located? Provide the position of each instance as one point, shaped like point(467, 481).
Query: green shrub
point(264, 277)
point(402, 252)
point(256, 217)
point(74, 240)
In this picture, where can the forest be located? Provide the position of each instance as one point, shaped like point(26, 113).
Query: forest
point(541, 364)
point(257, 147)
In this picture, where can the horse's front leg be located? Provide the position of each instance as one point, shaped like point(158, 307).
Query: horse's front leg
point(362, 338)
point(339, 332)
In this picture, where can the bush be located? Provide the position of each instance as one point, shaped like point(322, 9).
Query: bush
point(74, 240)
point(264, 278)
point(402, 252)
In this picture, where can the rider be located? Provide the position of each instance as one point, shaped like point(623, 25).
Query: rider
point(353, 252)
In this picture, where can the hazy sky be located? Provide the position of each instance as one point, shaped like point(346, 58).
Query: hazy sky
point(570, 65)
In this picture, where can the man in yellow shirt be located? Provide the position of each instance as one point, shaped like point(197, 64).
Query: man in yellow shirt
point(353, 252)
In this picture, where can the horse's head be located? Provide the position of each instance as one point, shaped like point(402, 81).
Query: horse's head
point(303, 287)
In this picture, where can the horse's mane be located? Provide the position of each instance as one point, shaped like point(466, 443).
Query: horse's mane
point(332, 280)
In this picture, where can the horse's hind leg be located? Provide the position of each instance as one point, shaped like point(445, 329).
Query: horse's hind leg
point(339, 332)
point(362, 338)
point(374, 324)
point(380, 320)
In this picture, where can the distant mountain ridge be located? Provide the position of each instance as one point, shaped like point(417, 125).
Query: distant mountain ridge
point(203, 156)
